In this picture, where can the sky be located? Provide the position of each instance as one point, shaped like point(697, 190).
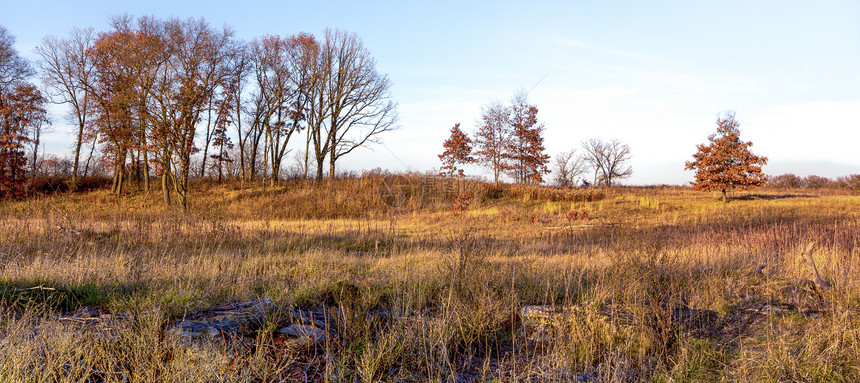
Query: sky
point(654, 75)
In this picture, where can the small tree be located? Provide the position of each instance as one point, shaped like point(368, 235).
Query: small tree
point(492, 137)
point(569, 165)
point(21, 107)
point(21, 111)
point(726, 163)
point(220, 139)
point(66, 71)
point(458, 150)
point(609, 160)
point(525, 150)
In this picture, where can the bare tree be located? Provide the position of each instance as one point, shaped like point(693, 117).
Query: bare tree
point(569, 165)
point(238, 69)
point(196, 66)
point(66, 70)
point(38, 125)
point(13, 68)
point(304, 53)
point(617, 161)
point(608, 160)
point(593, 156)
point(283, 71)
point(355, 99)
point(253, 136)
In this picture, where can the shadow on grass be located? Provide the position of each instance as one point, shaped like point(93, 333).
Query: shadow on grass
point(41, 295)
point(768, 197)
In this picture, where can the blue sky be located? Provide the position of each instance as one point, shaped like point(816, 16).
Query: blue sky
point(652, 74)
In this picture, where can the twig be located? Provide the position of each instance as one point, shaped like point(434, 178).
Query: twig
point(39, 287)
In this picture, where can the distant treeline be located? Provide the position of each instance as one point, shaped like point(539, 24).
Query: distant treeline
point(791, 181)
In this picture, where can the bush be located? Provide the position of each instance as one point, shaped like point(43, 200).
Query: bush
point(851, 182)
point(57, 184)
point(816, 182)
point(785, 181)
point(539, 193)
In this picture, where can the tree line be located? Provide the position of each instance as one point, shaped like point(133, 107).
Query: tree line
point(792, 181)
point(152, 93)
point(509, 140)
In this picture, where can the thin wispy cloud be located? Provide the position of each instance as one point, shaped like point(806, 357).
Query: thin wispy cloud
point(567, 42)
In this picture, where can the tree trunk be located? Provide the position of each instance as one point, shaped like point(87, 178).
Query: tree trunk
point(725, 200)
point(331, 172)
point(35, 158)
point(90, 157)
point(320, 161)
point(207, 139)
point(165, 174)
point(135, 166)
point(241, 141)
point(220, 162)
point(265, 159)
point(307, 152)
point(73, 185)
point(180, 183)
point(242, 173)
point(252, 162)
point(120, 175)
point(165, 190)
point(145, 173)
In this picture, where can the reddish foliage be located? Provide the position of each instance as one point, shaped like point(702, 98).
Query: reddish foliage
point(726, 163)
point(510, 139)
point(21, 108)
point(575, 215)
point(461, 202)
point(525, 150)
point(458, 150)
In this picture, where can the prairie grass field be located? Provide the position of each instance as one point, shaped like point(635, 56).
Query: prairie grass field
point(653, 284)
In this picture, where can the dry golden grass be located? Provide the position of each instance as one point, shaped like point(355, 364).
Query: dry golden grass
point(661, 284)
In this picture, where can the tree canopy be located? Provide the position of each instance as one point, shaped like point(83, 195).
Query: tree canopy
point(22, 110)
point(726, 163)
point(509, 140)
point(458, 150)
point(154, 93)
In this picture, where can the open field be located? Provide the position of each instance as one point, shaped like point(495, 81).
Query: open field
point(647, 284)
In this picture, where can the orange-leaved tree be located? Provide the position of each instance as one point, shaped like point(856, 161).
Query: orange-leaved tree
point(525, 150)
point(458, 150)
point(21, 109)
point(726, 163)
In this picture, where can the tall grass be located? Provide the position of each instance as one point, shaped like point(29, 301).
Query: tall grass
point(657, 284)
